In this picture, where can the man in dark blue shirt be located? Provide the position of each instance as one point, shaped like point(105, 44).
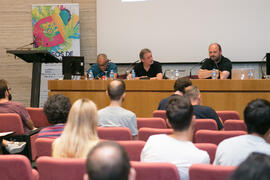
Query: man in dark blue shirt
point(103, 65)
point(179, 89)
point(201, 112)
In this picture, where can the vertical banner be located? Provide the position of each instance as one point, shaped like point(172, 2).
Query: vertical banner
point(56, 28)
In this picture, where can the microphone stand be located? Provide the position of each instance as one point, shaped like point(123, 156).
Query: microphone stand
point(190, 74)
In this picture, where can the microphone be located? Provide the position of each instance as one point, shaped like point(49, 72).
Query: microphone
point(22, 47)
point(201, 62)
point(131, 66)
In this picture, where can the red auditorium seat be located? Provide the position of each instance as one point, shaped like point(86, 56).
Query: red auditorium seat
point(225, 115)
point(235, 125)
point(44, 146)
point(38, 117)
point(145, 133)
point(133, 149)
point(114, 133)
point(155, 171)
point(152, 122)
point(209, 148)
point(215, 137)
point(210, 172)
point(14, 167)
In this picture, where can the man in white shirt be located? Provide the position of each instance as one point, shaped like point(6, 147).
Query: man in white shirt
point(114, 115)
point(176, 148)
point(233, 151)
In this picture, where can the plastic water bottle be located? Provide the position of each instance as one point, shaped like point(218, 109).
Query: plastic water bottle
point(250, 74)
point(214, 74)
point(90, 75)
point(176, 74)
point(133, 75)
point(111, 75)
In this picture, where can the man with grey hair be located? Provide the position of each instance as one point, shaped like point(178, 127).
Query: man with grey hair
point(108, 161)
point(222, 65)
point(201, 112)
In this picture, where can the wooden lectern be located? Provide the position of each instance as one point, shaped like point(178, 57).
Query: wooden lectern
point(37, 57)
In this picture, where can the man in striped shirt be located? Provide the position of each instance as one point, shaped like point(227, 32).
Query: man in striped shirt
point(56, 109)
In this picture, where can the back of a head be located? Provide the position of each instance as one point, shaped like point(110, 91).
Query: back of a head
point(82, 118)
point(192, 92)
point(116, 89)
point(108, 161)
point(3, 88)
point(179, 112)
point(256, 166)
point(257, 116)
point(181, 83)
point(56, 108)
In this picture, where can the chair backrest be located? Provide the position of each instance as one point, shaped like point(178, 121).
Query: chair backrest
point(114, 133)
point(209, 148)
point(225, 115)
point(160, 113)
point(215, 137)
point(235, 125)
point(44, 146)
point(145, 133)
point(152, 122)
point(208, 171)
point(38, 117)
point(59, 168)
point(15, 167)
point(11, 122)
point(208, 124)
point(156, 170)
point(133, 149)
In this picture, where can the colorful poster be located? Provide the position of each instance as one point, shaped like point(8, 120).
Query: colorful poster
point(56, 28)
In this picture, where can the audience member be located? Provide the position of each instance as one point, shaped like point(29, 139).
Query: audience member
point(148, 67)
point(255, 167)
point(176, 148)
point(222, 65)
point(114, 114)
point(56, 109)
point(233, 151)
point(102, 66)
point(108, 161)
point(179, 89)
point(80, 132)
point(201, 112)
point(8, 106)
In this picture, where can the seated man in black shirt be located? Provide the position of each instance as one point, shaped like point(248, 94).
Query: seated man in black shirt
point(216, 61)
point(148, 67)
point(201, 112)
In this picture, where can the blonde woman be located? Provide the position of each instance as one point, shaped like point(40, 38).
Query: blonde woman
point(80, 132)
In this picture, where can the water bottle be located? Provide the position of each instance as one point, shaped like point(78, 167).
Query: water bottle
point(176, 74)
point(250, 74)
point(90, 75)
point(133, 75)
point(111, 75)
point(214, 74)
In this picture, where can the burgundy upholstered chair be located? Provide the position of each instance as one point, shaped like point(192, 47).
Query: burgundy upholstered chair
point(235, 125)
point(155, 171)
point(60, 168)
point(13, 122)
point(44, 146)
point(145, 133)
point(133, 149)
point(209, 148)
point(225, 115)
point(38, 117)
point(152, 122)
point(215, 137)
point(114, 133)
point(15, 167)
point(210, 172)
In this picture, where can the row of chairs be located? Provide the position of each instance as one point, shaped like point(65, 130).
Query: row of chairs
point(48, 168)
point(133, 148)
point(40, 119)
